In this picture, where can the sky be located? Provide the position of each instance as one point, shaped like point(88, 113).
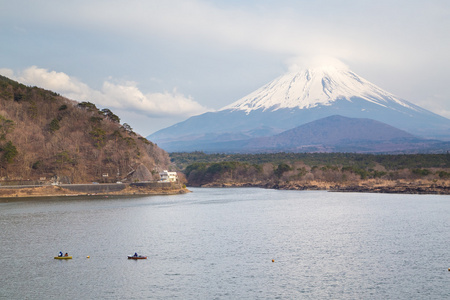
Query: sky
point(156, 63)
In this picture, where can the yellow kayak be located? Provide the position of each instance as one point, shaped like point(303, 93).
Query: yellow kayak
point(63, 257)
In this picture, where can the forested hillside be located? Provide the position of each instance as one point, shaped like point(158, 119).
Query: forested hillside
point(44, 136)
point(390, 162)
point(343, 171)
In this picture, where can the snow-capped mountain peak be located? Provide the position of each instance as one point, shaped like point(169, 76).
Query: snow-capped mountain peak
point(312, 87)
point(295, 99)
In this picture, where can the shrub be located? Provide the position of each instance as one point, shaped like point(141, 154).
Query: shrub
point(87, 105)
point(54, 125)
point(96, 120)
point(10, 152)
point(144, 140)
point(109, 114)
point(33, 110)
point(421, 172)
point(36, 165)
point(443, 174)
point(98, 135)
point(5, 127)
point(18, 97)
point(281, 169)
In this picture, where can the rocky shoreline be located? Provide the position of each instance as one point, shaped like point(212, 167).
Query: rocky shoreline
point(366, 186)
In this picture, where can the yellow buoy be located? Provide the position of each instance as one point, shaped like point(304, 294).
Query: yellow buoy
point(88, 256)
point(273, 260)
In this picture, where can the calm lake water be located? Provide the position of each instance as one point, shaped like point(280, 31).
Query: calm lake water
point(220, 243)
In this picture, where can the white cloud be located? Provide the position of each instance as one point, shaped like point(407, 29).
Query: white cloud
point(357, 30)
point(124, 96)
point(55, 81)
point(274, 29)
point(271, 28)
point(128, 96)
point(304, 62)
point(398, 45)
point(7, 72)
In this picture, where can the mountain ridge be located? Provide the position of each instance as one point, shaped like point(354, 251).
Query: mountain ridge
point(312, 87)
point(330, 134)
point(341, 134)
point(295, 99)
point(45, 137)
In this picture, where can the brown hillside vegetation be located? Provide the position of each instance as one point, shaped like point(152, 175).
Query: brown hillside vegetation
point(350, 172)
point(298, 176)
point(44, 135)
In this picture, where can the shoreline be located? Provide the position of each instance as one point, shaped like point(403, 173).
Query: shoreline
point(366, 186)
point(58, 191)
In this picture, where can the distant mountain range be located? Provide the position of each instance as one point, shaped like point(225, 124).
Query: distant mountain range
point(340, 134)
point(271, 119)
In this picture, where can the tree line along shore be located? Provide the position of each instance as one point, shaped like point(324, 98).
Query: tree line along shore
point(346, 172)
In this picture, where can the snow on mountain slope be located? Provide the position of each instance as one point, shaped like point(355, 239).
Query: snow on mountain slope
point(294, 99)
point(312, 87)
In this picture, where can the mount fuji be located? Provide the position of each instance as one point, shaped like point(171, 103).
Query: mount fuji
point(297, 98)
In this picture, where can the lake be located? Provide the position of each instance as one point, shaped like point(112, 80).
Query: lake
point(233, 243)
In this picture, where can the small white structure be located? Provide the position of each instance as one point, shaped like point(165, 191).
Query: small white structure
point(167, 176)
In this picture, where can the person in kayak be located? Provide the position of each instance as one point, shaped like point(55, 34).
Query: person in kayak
point(66, 254)
point(60, 254)
point(135, 254)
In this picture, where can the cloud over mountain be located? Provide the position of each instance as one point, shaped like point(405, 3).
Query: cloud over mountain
point(214, 52)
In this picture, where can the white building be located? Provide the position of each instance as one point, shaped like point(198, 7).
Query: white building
point(168, 176)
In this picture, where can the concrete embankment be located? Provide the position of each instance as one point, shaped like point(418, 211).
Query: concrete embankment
point(116, 187)
point(94, 188)
point(140, 188)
